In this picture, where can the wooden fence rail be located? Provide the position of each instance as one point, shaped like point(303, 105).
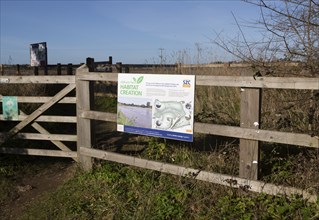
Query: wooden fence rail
point(221, 179)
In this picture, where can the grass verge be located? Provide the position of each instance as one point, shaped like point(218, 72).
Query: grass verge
point(115, 191)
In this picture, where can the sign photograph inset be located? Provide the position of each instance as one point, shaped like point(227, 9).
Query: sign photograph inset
point(38, 54)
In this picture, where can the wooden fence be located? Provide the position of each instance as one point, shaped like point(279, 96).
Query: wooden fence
point(58, 69)
point(249, 133)
point(119, 67)
point(38, 116)
point(230, 68)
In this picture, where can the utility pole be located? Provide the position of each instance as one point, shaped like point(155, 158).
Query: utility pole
point(10, 60)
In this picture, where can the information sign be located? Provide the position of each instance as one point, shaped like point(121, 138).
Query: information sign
point(156, 105)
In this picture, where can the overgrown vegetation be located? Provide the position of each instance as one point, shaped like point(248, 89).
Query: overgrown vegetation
point(115, 191)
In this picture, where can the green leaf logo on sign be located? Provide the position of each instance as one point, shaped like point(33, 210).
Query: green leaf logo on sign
point(138, 80)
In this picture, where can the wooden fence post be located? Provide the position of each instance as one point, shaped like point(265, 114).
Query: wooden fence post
point(46, 71)
point(58, 69)
point(85, 127)
point(70, 69)
point(250, 106)
point(91, 68)
point(126, 69)
point(90, 64)
point(119, 67)
point(18, 69)
point(179, 68)
point(36, 70)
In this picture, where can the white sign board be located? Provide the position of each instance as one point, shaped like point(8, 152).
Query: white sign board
point(156, 105)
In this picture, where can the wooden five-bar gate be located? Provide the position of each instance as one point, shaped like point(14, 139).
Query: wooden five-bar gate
point(249, 132)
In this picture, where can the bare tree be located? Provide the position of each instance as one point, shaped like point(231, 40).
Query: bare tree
point(291, 33)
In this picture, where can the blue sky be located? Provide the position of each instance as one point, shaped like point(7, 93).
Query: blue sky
point(130, 31)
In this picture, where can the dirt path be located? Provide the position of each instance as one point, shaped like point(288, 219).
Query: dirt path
point(31, 188)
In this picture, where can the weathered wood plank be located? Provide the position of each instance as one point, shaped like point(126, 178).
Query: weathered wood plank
point(250, 107)
point(229, 131)
point(38, 112)
point(96, 76)
point(101, 116)
point(85, 101)
point(47, 118)
point(37, 152)
point(259, 82)
point(47, 137)
point(39, 99)
point(260, 135)
point(242, 81)
point(221, 179)
point(37, 79)
point(230, 81)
